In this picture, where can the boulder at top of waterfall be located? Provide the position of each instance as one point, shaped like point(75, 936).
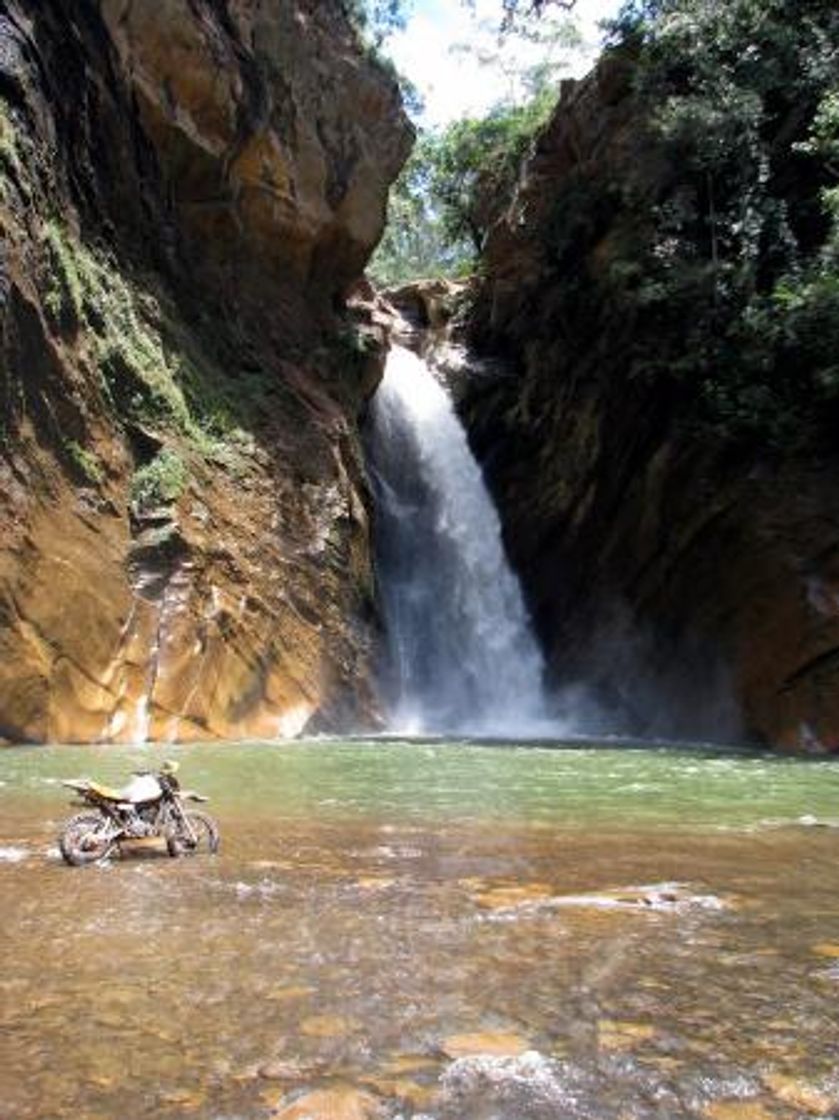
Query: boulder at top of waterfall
point(428, 304)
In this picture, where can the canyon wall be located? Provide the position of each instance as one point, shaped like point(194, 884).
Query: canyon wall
point(692, 581)
point(188, 189)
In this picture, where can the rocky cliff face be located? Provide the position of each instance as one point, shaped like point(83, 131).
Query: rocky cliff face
point(694, 585)
point(188, 189)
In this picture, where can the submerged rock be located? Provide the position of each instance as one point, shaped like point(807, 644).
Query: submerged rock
point(328, 1026)
point(827, 949)
point(536, 898)
point(497, 1044)
point(528, 1085)
point(737, 1110)
point(803, 1095)
point(619, 1035)
point(337, 1103)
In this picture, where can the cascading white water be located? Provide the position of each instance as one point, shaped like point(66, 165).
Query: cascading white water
point(461, 653)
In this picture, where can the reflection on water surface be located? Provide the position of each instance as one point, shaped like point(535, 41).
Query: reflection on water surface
point(432, 930)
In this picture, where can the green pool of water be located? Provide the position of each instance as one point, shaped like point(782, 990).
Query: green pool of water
point(573, 785)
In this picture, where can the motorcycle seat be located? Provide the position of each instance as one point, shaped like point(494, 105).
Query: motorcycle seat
point(108, 792)
point(140, 789)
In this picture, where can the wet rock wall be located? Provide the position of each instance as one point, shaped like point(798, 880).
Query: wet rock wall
point(691, 586)
point(187, 192)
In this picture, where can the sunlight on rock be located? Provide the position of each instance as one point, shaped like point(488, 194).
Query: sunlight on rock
point(827, 949)
point(502, 898)
point(410, 1063)
point(736, 1110)
point(498, 1044)
point(327, 1026)
point(616, 1035)
point(293, 992)
point(372, 883)
point(801, 1095)
point(418, 1097)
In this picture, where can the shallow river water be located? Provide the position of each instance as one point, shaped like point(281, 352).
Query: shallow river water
point(440, 930)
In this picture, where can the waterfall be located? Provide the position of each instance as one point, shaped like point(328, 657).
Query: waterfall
point(461, 656)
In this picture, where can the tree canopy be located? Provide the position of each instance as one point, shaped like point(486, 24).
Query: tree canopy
point(456, 184)
point(460, 178)
point(380, 18)
point(723, 280)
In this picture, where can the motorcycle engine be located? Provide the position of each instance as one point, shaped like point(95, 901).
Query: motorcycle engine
point(140, 821)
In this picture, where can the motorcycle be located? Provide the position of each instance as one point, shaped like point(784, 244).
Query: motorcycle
point(151, 805)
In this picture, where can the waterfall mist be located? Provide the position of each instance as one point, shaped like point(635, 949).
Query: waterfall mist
point(460, 652)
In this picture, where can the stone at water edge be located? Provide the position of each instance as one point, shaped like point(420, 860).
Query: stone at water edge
point(338, 1103)
point(662, 897)
point(185, 1100)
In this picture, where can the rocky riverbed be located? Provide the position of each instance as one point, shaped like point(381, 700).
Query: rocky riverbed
point(431, 930)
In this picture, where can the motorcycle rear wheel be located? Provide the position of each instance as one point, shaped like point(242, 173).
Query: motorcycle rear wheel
point(84, 839)
point(206, 833)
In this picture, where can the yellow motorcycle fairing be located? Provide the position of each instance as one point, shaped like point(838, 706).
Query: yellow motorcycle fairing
point(106, 792)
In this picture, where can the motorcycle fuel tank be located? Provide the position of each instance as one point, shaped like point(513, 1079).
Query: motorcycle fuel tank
point(142, 787)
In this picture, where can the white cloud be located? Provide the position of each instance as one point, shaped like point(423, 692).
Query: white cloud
point(454, 84)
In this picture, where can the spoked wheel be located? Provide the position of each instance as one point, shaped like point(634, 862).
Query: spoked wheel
point(199, 834)
point(86, 839)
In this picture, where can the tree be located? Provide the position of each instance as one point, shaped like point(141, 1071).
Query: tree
point(455, 186)
point(731, 276)
point(377, 20)
point(461, 178)
point(415, 244)
point(512, 11)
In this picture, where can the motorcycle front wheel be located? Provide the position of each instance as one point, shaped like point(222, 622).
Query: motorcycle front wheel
point(204, 830)
point(85, 838)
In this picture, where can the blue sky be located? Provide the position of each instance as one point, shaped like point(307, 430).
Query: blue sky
point(454, 84)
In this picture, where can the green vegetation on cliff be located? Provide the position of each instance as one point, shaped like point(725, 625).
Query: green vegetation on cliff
point(160, 482)
point(455, 185)
point(708, 259)
point(663, 299)
point(721, 237)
